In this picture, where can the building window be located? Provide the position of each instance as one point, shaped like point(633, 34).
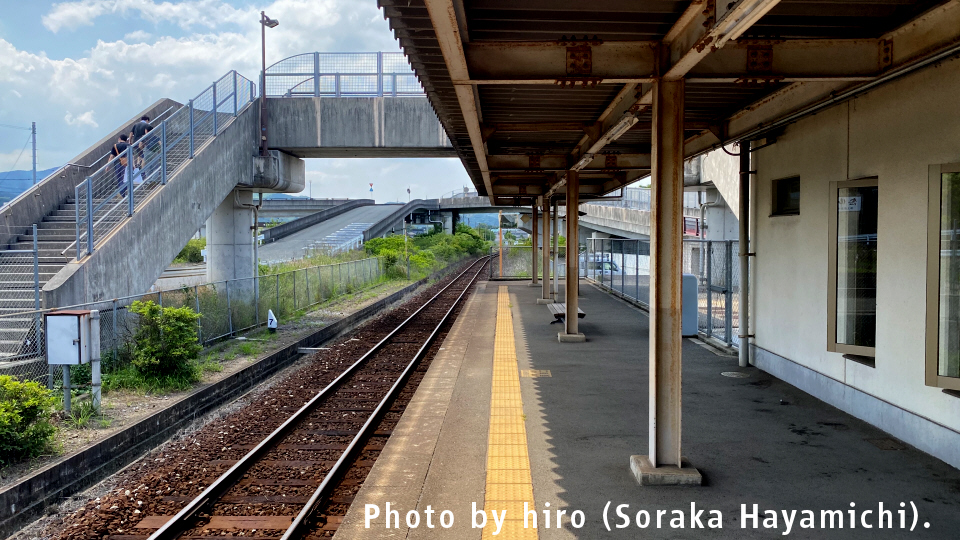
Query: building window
point(852, 316)
point(943, 278)
point(786, 197)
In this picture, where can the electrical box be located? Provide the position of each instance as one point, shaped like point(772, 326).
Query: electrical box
point(69, 338)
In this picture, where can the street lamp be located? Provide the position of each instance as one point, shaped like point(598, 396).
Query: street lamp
point(265, 22)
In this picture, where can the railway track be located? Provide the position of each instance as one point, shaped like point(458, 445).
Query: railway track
point(316, 459)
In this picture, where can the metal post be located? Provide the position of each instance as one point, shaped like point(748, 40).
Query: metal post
point(637, 272)
point(95, 359)
point(66, 388)
point(235, 109)
point(215, 107)
point(114, 329)
point(294, 290)
point(229, 311)
point(380, 74)
point(278, 296)
point(744, 203)
point(89, 217)
point(728, 293)
point(306, 278)
point(500, 239)
point(556, 251)
point(623, 269)
point(665, 291)
point(130, 202)
point(163, 154)
point(33, 136)
point(545, 289)
point(337, 84)
point(196, 294)
point(340, 278)
point(316, 74)
point(709, 288)
point(37, 322)
point(534, 244)
point(190, 104)
point(76, 216)
point(571, 321)
point(393, 84)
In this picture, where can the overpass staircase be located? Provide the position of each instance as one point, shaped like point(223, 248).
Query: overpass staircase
point(55, 259)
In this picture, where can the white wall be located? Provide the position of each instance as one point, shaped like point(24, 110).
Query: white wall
point(894, 133)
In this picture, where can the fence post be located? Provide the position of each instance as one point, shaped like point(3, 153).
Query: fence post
point(278, 297)
point(215, 107)
point(728, 291)
point(163, 154)
point(229, 311)
point(160, 298)
point(709, 288)
point(89, 217)
point(337, 84)
point(191, 128)
point(294, 290)
point(196, 294)
point(316, 74)
point(637, 280)
point(256, 296)
point(623, 270)
point(37, 323)
point(76, 212)
point(235, 110)
point(306, 278)
point(380, 74)
point(129, 181)
point(115, 331)
point(339, 278)
point(319, 284)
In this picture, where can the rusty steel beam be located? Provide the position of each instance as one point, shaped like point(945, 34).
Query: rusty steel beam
point(572, 281)
point(535, 163)
point(443, 17)
point(666, 249)
point(545, 255)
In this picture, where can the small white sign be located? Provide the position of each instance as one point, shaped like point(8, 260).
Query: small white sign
point(849, 204)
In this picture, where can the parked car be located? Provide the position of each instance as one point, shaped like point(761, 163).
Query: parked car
point(606, 268)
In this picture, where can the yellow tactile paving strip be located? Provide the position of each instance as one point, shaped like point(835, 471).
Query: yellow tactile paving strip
point(509, 484)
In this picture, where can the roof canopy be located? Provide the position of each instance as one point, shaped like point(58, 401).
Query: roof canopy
point(527, 90)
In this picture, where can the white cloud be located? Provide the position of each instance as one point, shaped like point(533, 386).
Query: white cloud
point(118, 79)
point(137, 35)
point(83, 119)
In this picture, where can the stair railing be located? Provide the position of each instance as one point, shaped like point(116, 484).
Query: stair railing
point(113, 193)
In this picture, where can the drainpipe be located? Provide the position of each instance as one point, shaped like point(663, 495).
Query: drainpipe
point(744, 209)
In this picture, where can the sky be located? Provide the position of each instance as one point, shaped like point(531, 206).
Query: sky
point(81, 68)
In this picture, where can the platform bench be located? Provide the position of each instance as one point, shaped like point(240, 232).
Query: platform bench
point(559, 312)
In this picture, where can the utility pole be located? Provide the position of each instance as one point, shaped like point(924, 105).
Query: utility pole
point(33, 132)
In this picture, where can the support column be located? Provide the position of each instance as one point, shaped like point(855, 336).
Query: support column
point(665, 465)
point(534, 243)
point(545, 291)
point(572, 282)
point(230, 241)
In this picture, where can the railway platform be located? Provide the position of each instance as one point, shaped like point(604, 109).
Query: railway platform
point(506, 415)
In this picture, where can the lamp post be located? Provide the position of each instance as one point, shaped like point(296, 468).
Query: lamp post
point(265, 22)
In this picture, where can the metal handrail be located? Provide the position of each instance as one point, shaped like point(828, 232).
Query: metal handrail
point(92, 222)
point(311, 73)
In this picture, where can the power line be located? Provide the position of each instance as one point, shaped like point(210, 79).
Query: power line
point(18, 157)
point(16, 127)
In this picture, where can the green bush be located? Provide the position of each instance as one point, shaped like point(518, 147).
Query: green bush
point(191, 252)
point(165, 344)
point(25, 428)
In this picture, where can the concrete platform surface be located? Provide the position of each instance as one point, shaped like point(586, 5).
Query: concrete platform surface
point(754, 439)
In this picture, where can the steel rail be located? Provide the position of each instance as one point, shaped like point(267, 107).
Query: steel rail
point(340, 468)
point(180, 522)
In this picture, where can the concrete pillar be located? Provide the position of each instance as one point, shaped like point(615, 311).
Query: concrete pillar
point(545, 291)
point(447, 219)
point(230, 239)
point(535, 241)
point(571, 333)
point(664, 464)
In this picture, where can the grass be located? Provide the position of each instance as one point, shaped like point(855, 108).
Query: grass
point(81, 415)
point(129, 378)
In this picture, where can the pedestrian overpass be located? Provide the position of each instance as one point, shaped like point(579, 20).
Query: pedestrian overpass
point(104, 231)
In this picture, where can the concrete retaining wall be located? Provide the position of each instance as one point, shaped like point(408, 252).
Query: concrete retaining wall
point(26, 501)
point(40, 200)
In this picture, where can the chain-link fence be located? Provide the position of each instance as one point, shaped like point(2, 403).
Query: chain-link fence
point(227, 308)
point(623, 266)
point(517, 263)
